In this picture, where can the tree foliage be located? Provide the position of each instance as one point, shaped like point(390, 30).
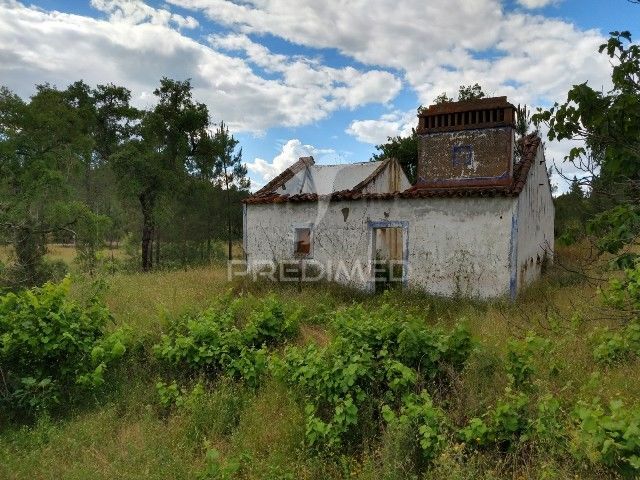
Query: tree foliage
point(83, 165)
point(52, 348)
point(405, 150)
point(608, 123)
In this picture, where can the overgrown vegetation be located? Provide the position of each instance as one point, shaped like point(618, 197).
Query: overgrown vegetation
point(52, 349)
point(304, 384)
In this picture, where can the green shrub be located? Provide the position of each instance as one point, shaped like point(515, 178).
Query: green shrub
point(612, 346)
point(171, 396)
point(416, 434)
point(515, 420)
point(608, 436)
point(51, 348)
point(521, 356)
point(376, 357)
point(624, 294)
point(214, 342)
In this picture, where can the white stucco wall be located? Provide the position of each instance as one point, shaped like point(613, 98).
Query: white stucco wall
point(454, 246)
point(534, 223)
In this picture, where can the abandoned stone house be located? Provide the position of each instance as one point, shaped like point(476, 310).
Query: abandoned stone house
point(478, 222)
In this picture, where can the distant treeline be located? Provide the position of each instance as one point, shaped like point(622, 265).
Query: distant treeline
point(83, 165)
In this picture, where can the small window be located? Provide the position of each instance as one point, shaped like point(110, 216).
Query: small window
point(302, 244)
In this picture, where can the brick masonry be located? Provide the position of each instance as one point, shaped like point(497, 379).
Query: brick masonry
point(481, 155)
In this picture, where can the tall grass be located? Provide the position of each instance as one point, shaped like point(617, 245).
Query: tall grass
point(259, 434)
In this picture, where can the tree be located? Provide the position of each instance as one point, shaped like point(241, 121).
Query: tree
point(608, 124)
point(108, 119)
point(169, 140)
point(442, 98)
point(230, 172)
point(470, 92)
point(42, 143)
point(523, 120)
point(405, 150)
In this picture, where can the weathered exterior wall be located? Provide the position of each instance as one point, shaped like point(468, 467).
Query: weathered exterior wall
point(481, 154)
point(534, 224)
point(453, 246)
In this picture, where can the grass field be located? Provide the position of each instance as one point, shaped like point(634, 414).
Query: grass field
point(122, 434)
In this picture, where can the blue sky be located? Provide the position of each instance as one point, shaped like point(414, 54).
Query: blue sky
point(328, 78)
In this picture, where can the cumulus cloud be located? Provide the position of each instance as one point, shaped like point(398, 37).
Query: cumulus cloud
point(536, 3)
point(138, 45)
point(349, 87)
point(439, 44)
point(136, 11)
point(291, 151)
point(377, 131)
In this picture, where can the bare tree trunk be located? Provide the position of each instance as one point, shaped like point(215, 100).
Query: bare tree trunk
point(147, 203)
point(153, 230)
point(157, 247)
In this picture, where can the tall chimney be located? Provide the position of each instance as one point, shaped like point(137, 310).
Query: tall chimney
point(466, 143)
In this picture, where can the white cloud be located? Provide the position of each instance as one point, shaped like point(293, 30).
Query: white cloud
point(377, 131)
point(349, 87)
point(536, 3)
point(136, 11)
point(291, 151)
point(438, 44)
point(138, 45)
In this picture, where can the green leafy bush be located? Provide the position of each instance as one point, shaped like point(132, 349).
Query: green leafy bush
point(514, 420)
point(52, 348)
point(170, 395)
point(624, 294)
point(215, 342)
point(520, 361)
point(613, 346)
point(608, 436)
point(375, 358)
point(417, 431)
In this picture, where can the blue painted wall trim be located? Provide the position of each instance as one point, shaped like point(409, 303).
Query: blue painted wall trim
point(513, 253)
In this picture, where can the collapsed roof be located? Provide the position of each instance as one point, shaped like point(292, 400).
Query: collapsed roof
point(305, 178)
point(274, 193)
